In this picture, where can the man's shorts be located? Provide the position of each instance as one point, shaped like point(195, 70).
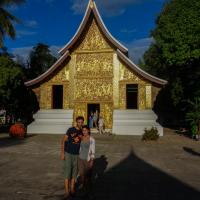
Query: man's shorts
point(70, 166)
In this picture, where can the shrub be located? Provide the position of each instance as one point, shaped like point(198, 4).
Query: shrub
point(150, 134)
point(193, 116)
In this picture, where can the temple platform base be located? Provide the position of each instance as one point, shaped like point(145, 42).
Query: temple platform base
point(51, 122)
point(133, 122)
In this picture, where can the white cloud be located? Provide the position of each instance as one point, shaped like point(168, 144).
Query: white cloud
point(13, 7)
point(128, 31)
point(31, 23)
point(107, 7)
point(22, 33)
point(23, 52)
point(138, 47)
point(111, 8)
point(116, 7)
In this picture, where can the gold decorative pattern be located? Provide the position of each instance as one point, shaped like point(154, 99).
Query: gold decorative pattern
point(93, 90)
point(155, 92)
point(45, 96)
point(148, 97)
point(93, 39)
point(116, 66)
point(60, 78)
point(122, 96)
point(107, 114)
point(94, 74)
point(128, 77)
point(142, 97)
point(37, 93)
point(80, 109)
point(66, 96)
point(94, 65)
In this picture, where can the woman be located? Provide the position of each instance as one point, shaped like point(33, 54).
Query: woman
point(91, 120)
point(86, 156)
point(95, 118)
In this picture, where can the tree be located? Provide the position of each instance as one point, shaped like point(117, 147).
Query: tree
point(175, 53)
point(40, 60)
point(193, 116)
point(14, 96)
point(4, 52)
point(7, 20)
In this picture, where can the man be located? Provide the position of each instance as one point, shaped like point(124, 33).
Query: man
point(70, 147)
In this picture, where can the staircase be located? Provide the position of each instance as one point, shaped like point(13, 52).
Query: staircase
point(133, 122)
point(51, 122)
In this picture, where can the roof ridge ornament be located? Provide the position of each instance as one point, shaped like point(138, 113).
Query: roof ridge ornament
point(91, 3)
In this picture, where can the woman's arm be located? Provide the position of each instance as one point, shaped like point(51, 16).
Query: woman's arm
point(92, 153)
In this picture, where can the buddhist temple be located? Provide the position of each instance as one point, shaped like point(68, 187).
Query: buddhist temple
point(94, 73)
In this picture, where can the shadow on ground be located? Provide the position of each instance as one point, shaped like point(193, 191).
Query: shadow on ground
point(133, 178)
point(191, 151)
point(7, 141)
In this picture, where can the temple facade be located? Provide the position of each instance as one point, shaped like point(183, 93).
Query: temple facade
point(93, 73)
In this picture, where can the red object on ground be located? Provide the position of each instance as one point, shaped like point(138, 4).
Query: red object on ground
point(17, 130)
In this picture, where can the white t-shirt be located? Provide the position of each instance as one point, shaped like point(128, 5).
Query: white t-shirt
point(101, 122)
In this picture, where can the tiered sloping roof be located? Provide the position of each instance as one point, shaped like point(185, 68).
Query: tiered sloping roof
point(121, 50)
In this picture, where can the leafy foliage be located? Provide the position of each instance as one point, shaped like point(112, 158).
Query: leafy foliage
point(175, 53)
point(151, 134)
point(193, 116)
point(14, 96)
point(40, 60)
point(7, 20)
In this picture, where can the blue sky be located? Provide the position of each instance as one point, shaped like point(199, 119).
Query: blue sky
point(54, 22)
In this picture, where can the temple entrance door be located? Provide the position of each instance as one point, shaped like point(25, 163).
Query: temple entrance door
point(57, 100)
point(132, 96)
point(91, 109)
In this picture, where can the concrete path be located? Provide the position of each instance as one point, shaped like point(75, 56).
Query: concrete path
point(125, 168)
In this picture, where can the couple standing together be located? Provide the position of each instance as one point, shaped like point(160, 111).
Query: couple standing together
point(77, 152)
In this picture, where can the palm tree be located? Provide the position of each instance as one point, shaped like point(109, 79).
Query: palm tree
point(7, 20)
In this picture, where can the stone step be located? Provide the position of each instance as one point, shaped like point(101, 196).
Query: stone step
point(48, 129)
point(134, 115)
point(56, 111)
point(133, 111)
point(128, 120)
point(51, 122)
point(52, 116)
point(134, 122)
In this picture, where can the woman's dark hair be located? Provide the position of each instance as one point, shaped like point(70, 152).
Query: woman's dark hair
point(79, 118)
point(86, 127)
